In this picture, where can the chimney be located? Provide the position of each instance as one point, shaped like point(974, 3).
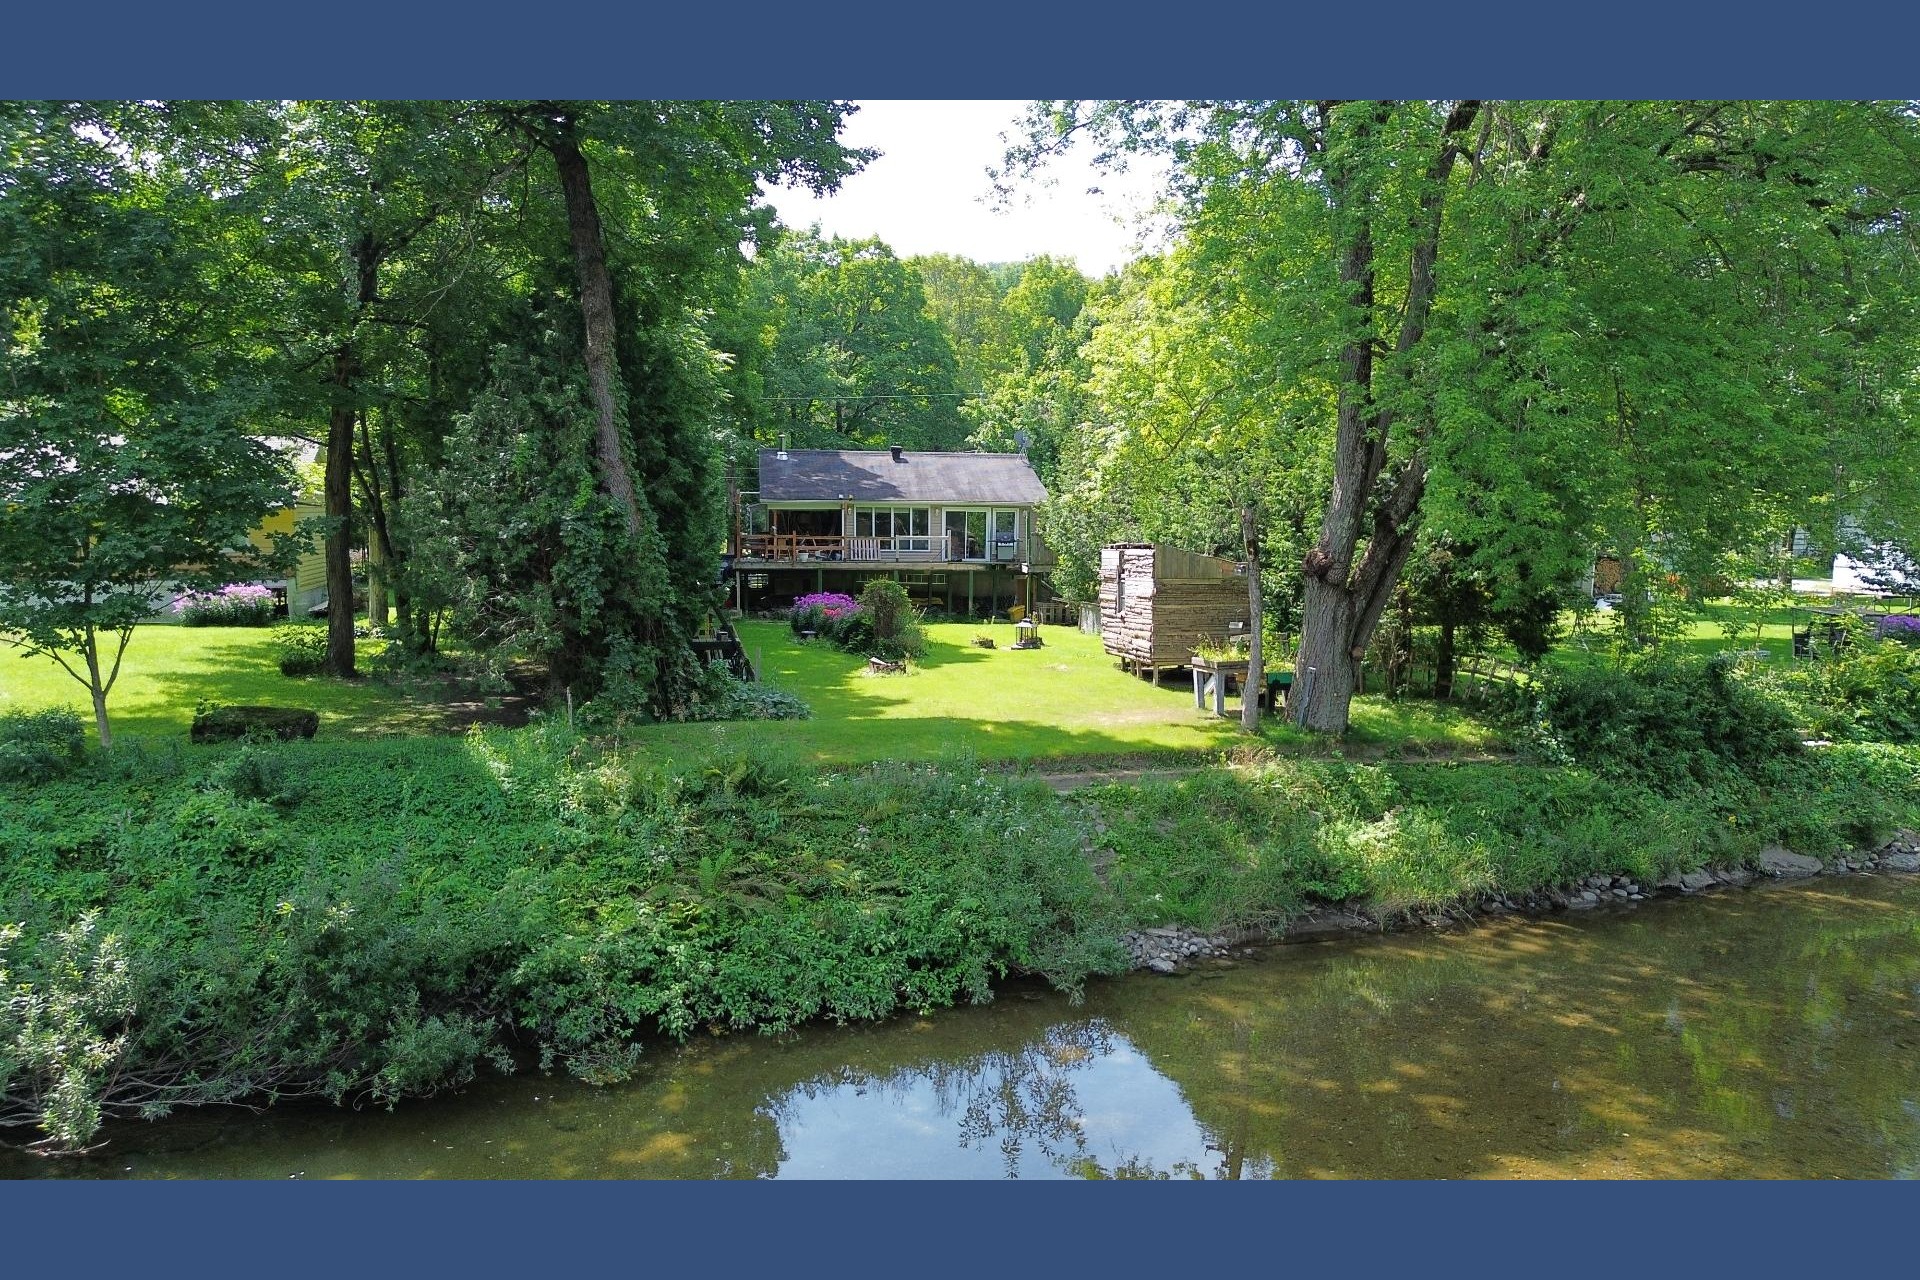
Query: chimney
point(895, 450)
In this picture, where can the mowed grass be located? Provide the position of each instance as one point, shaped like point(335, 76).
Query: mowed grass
point(1064, 701)
point(169, 668)
point(1721, 625)
point(1068, 699)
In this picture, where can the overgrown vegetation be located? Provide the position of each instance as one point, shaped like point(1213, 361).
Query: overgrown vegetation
point(375, 920)
point(38, 745)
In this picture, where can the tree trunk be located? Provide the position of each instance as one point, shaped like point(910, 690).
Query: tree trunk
point(339, 498)
point(97, 689)
point(1256, 673)
point(339, 475)
point(1344, 599)
point(596, 311)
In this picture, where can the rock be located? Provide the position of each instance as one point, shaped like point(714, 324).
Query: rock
point(1316, 925)
point(1900, 861)
point(1695, 881)
point(1160, 964)
point(1735, 875)
point(1776, 861)
point(223, 724)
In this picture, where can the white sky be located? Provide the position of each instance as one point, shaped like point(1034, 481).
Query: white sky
point(928, 192)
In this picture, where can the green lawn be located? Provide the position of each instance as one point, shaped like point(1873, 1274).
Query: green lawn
point(1068, 699)
point(1722, 625)
point(169, 668)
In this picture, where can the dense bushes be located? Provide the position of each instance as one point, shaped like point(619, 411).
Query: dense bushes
point(1868, 691)
point(302, 648)
point(881, 624)
point(377, 919)
point(1672, 723)
point(38, 745)
point(717, 695)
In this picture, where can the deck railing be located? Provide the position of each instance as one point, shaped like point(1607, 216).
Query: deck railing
point(792, 548)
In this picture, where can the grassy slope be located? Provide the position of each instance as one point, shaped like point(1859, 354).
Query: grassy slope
point(1067, 699)
point(169, 668)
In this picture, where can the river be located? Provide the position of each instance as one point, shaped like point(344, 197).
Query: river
point(1768, 1033)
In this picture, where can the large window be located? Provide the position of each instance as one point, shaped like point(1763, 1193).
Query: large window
point(966, 534)
point(908, 528)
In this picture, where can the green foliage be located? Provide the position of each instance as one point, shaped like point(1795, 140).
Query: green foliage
point(131, 464)
point(834, 348)
point(1865, 691)
point(62, 1029)
point(260, 770)
point(301, 647)
point(38, 745)
point(885, 625)
point(1674, 722)
point(717, 695)
point(423, 908)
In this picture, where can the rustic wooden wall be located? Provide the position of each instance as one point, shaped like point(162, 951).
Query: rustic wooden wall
point(1159, 618)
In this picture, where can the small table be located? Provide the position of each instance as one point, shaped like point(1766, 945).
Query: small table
point(1210, 678)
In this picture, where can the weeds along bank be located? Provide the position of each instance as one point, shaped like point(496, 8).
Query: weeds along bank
point(381, 919)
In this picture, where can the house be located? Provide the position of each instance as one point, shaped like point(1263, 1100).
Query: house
point(1158, 603)
point(956, 529)
point(306, 582)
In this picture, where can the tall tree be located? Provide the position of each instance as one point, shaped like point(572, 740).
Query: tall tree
point(1601, 285)
point(129, 389)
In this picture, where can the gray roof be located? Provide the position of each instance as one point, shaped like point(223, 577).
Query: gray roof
point(871, 475)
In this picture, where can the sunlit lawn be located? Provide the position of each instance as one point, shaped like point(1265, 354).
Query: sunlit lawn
point(1721, 625)
point(169, 668)
point(1067, 699)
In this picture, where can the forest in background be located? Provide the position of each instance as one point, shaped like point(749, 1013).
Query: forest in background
point(1433, 356)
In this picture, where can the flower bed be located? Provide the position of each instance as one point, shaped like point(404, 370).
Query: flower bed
point(239, 604)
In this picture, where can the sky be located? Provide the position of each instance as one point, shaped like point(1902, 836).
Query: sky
point(929, 193)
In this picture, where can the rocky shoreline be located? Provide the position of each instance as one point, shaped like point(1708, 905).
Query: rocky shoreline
point(1171, 949)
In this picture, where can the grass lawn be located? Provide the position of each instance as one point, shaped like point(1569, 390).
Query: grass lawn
point(169, 668)
point(1068, 699)
point(1722, 625)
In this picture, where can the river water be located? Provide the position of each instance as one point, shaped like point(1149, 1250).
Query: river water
point(1768, 1033)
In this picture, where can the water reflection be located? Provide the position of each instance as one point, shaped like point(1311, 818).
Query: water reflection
point(1764, 1034)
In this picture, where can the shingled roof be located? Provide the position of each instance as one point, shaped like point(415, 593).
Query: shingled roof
point(872, 475)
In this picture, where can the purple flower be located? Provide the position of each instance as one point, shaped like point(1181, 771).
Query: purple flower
point(831, 603)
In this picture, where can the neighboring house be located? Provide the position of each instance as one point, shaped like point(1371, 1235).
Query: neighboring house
point(956, 529)
point(306, 583)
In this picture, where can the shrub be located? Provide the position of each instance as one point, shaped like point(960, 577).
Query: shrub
point(39, 745)
point(223, 724)
point(235, 605)
point(302, 648)
point(1866, 691)
point(1903, 627)
point(259, 770)
point(717, 695)
point(1671, 722)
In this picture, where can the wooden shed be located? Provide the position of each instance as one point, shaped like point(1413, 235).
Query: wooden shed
point(1157, 603)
